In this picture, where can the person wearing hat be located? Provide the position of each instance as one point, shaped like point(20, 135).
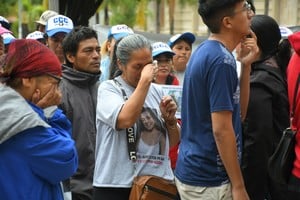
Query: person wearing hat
point(163, 54)
point(57, 28)
point(41, 23)
point(4, 22)
point(37, 35)
point(181, 45)
point(115, 33)
point(7, 37)
point(2, 46)
point(36, 148)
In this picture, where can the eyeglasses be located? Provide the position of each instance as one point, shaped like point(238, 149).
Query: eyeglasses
point(55, 77)
point(247, 7)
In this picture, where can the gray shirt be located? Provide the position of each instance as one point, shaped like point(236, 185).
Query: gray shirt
point(113, 167)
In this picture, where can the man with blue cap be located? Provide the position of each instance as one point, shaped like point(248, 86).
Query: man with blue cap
point(181, 44)
point(57, 28)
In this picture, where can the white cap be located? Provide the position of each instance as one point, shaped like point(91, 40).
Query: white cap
point(45, 16)
point(119, 31)
point(36, 35)
point(59, 23)
point(161, 47)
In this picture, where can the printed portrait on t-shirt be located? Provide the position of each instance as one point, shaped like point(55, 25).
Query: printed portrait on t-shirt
point(151, 134)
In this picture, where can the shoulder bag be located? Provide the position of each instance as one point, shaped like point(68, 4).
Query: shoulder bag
point(280, 164)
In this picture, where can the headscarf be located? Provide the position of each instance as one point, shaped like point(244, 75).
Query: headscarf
point(28, 58)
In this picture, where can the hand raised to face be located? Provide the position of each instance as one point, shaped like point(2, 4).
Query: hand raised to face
point(51, 98)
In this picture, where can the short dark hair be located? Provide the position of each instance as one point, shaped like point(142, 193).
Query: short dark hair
point(71, 42)
point(213, 11)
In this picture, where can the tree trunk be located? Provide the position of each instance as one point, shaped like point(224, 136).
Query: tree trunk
point(158, 16)
point(54, 5)
point(79, 11)
point(171, 15)
point(266, 7)
point(106, 16)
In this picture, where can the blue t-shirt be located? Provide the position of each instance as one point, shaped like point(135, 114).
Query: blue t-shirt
point(210, 85)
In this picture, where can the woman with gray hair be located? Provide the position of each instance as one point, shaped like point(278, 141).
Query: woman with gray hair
point(119, 107)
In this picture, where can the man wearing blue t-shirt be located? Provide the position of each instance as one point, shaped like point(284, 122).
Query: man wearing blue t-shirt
point(213, 104)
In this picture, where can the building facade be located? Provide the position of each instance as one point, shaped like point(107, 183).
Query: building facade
point(186, 18)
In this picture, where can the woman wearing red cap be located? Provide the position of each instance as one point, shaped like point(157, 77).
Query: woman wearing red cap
point(36, 148)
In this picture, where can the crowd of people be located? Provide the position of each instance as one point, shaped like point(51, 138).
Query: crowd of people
point(81, 120)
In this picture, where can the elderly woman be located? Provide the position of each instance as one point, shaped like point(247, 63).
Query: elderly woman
point(120, 103)
point(36, 148)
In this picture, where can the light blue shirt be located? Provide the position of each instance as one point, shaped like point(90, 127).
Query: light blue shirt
point(104, 67)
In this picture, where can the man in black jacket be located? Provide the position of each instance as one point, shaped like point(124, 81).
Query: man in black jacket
point(79, 88)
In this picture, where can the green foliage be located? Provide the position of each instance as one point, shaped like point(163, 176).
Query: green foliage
point(6, 7)
point(31, 10)
point(189, 2)
point(123, 12)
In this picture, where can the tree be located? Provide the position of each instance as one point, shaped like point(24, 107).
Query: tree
point(6, 7)
point(79, 11)
point(121, 12)
point(31, 10)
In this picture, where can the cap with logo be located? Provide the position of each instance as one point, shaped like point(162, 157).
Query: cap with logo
point(58, 23)
point(187, 36)
point(161, 47)
point(119, 31)
point(36, 35)
point(45, 16)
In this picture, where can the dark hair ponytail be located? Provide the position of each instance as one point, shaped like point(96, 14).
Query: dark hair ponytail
point(283, 55)
point(114, 70)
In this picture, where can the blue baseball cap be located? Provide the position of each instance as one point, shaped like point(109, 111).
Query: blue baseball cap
point(187, 36)
point(161, 47)
point(57, 24)
point(119, 31)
